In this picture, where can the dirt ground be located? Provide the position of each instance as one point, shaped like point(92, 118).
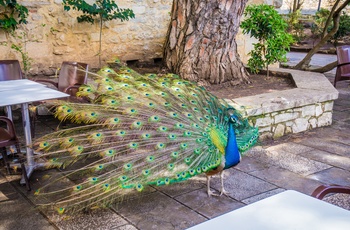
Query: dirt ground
point(258, 84)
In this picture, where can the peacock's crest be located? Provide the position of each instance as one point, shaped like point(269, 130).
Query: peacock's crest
point(137, 130)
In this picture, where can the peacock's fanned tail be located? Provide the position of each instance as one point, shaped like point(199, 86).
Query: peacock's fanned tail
point(137, 131)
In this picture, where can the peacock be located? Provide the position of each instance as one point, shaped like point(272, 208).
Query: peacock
point(138, 131)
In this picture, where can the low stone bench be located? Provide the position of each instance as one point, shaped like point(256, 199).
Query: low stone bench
point(305, 107)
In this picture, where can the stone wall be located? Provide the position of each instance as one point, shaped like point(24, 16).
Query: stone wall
point(305, 107)
point(295, 120)
point(54, 35)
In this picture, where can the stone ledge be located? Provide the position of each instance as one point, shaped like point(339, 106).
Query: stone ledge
point(310, 88)
point(307, 106)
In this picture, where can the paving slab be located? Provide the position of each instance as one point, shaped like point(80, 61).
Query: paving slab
point(294, 163)
point(209, 207)
point(156, 211)
point(241, 185)
point(290, 147)
point(332, 176)
point(96, 219)
point(330, 159)
point(326, 145)
point(264, 195)
point(184, 187)
point(341, 116)
point(251, 164)
point(286, 179)
point(16, 212)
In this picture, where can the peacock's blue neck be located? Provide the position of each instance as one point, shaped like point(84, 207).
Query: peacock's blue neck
point(232, 155)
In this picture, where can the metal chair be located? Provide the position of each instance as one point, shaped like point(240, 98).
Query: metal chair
point(8, 138)
point(10, 70)
point(323, 190)
point(71, 74)
point(343, 67)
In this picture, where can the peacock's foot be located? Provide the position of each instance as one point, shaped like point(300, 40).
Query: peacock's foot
point(224, 192)
point(211, 193)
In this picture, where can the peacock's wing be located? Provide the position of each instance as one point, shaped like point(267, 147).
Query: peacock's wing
point(137, 131)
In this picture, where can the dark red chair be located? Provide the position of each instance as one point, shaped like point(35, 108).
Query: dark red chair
point(71, 75)
point(343, 67)
point(323, 190)
point(10, 70)
point(9, 138)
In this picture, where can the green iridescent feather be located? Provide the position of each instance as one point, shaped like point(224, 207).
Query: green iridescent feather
point(137, 130)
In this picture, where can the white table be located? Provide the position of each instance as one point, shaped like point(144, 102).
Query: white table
point(15, 92)
point(20, 84)
point(284, 211)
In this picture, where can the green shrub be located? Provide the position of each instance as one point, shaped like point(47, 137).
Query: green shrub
point(265, 24)
point(343, 30)
point(295, 27)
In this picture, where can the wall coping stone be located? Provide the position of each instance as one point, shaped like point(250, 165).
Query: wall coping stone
point(311, 88)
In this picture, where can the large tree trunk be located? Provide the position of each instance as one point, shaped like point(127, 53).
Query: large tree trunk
point(201, 43)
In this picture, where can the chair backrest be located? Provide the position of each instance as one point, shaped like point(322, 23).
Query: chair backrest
point(72, 73)
point(7, 136)
point(343, 56)
point(10, 70)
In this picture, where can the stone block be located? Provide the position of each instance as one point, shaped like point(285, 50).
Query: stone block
point(328, 106)
point(95, 37)
point(318, 110)
point(288, 130)
point(139, 9)
point(37, 50)
point(325, 119)
point(309, 110)
point(313, 122)
point(265, 129)
point(283, 117)
point(300, 125)
point(279, 131)
point(264, 121)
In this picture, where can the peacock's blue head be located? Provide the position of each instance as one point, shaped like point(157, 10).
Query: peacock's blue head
point(234, 118)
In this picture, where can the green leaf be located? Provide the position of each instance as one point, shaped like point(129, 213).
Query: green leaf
point(265, 24)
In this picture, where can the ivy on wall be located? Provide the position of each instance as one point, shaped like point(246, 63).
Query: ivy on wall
point(11, 15)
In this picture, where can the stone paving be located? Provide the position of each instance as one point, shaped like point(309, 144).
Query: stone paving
point(300, 162)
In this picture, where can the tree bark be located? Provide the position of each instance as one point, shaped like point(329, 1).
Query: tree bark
point(325, 68)
point(329, 19)
point(201, 43)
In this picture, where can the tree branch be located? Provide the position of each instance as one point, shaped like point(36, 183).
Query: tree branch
point(336, 18)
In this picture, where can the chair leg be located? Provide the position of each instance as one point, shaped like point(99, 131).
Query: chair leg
point(5, 158)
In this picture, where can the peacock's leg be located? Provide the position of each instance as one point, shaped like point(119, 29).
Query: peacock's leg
point(223, 191)
point(210, 193)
